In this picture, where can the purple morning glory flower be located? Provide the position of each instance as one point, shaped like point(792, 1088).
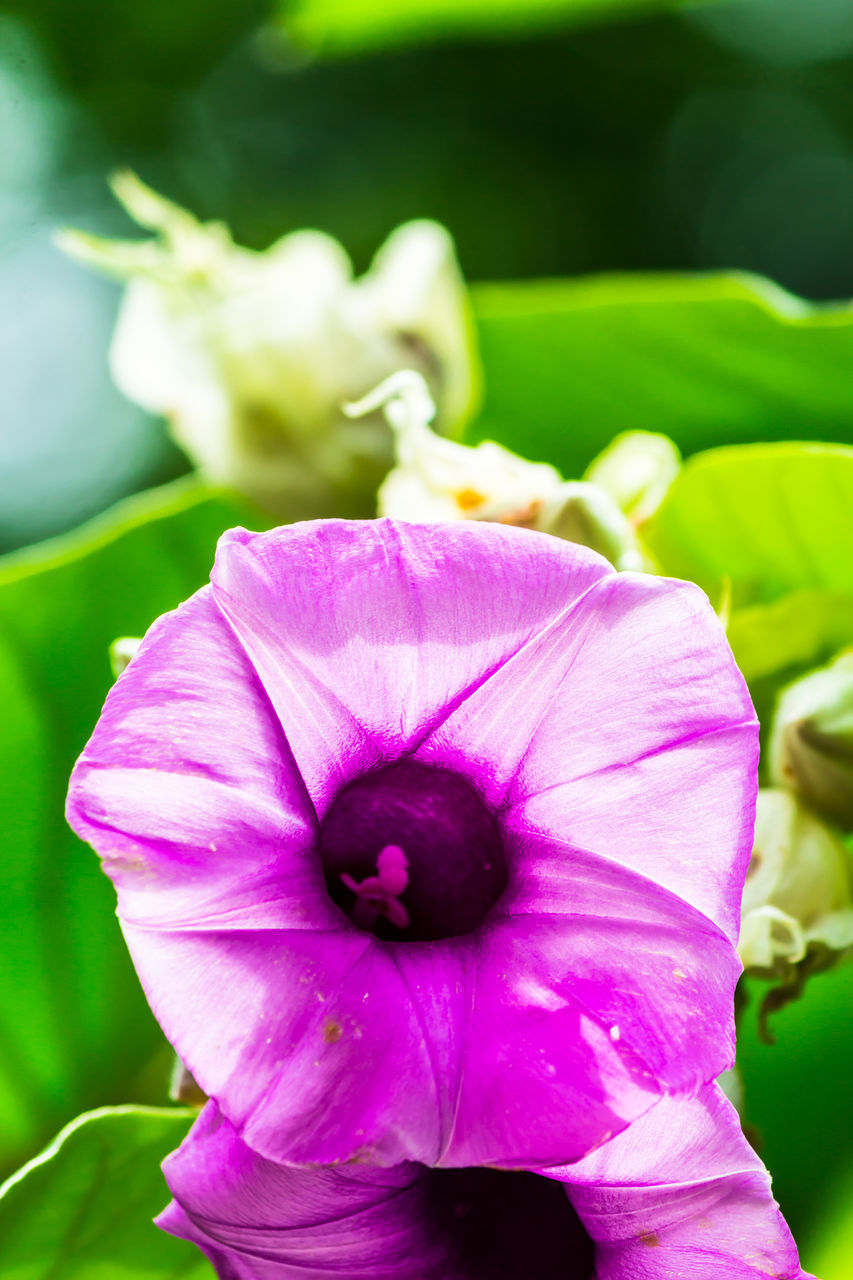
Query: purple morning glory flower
point(429, 840)
point(678, 1194)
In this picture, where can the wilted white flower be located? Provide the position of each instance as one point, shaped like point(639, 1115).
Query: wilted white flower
point(439, 479)
point(798, 889)
point(249, 355)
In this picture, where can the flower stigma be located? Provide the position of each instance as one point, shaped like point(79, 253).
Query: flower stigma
point(379, 895)
point(441, 866)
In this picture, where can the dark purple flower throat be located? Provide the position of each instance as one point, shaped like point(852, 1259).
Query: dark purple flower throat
point(509, 1226)
point(412, 853)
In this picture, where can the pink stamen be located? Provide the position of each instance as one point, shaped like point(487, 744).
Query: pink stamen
point(379, 894)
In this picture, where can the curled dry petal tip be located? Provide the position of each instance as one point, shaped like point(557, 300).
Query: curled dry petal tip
point(404, 397)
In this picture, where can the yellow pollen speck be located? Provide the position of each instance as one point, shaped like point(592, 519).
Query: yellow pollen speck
point(677, 973)
point(468, 499)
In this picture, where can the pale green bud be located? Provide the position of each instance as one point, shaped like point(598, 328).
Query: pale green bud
point(121, 652)
point(250, 355)
point(584, 513)
point(636, 470)
point(798, 888)
point(811, 744)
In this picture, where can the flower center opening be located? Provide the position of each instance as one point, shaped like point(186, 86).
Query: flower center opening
point(510, 1226)
point(412, 853)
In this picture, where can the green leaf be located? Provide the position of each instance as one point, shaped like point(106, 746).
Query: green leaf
point(798, 1100)
point(74, 1028)
point(83, 1209)
point(831, 1254)
point(798, 631)
point(337, 26)
point(771, 519)
point(707, 360)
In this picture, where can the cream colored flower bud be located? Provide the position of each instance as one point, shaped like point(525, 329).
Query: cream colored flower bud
point(250, 355)
point(799, 887)
point(636, 470)
point(811, 745)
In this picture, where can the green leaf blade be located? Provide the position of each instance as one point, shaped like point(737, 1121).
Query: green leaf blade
point(346, 26)
point(83, 1209)
point(771, 519)
point(75, 1030)
point(704, 359)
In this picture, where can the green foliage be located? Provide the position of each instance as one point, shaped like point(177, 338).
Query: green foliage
point(82, 1210)
point(707, 360)
point(567, 366)
point(337, 26)
point(798, 1102)
point(773, 523)
point(831, 1256)
point(769, 518)
point(792, 633)
point(75, 1031)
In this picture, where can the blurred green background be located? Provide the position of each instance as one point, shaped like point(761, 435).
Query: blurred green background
point(553, 139)
point(679, 137)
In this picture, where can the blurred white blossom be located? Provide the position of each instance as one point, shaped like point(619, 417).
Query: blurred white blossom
point(439, 479)
point(250, 355)
point(798, 889)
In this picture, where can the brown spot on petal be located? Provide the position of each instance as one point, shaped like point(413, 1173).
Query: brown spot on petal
point(332, 1032)
point(650, 1240)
